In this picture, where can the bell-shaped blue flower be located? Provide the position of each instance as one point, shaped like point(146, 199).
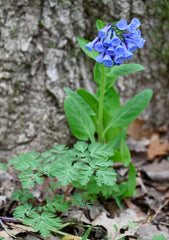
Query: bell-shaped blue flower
point(131, 46)
point(110, 50)
point(127, 54)
point(131, 27)
point(89, 46)
point(120, 50)
point(99, 46)
point(99, 58)
point(116, 40)
point(122, 25)
point(136, 21)
point(119, 59)
point(103, 32)
point(140, 44)
point(107, 60)
point(107, 41)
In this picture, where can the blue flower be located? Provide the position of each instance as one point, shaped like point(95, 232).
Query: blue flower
point(117, 42)
point(107, 41)
point(107, 60)
point(90, 45)
point(103, 32)
point(122, 25)
point(99, 58)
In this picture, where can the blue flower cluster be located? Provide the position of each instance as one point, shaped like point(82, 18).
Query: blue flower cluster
point(117, 42)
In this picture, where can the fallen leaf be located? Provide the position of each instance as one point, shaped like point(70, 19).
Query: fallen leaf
point(147, 231)
point(158, 171)
point(137, 130)
point(157, 148)
point(121, 221)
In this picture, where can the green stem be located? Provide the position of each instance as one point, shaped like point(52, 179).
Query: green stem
point(100, 117)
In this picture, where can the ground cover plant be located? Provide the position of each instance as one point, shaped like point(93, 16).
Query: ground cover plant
point(99, 122)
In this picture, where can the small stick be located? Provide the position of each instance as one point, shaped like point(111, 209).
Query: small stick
point(67, 191)
point(159, 209)
point(10, 219)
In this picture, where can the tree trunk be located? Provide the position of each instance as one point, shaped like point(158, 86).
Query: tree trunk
point(39, 56)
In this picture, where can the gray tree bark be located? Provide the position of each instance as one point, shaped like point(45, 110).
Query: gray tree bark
point(39, 56)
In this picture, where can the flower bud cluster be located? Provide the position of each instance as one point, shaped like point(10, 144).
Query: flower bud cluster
point(117, 42)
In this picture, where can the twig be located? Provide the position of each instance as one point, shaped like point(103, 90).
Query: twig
point(159, 209)
point(67, 191)
point(10, 219)
point(5, 227)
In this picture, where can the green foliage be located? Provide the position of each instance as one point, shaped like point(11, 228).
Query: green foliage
point(82, 42)
point(88, 166)
point(79, 113)
point(100, 24)
point(158, 237)
point(131, 110)
point(3, 167)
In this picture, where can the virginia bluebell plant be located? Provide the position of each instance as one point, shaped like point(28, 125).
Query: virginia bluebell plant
point(97, 118)
point(117, 42)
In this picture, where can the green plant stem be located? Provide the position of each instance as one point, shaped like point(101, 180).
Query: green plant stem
point(100, 117)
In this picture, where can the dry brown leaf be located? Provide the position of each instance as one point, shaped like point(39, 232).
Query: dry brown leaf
point(16, 229)
point(158, 171)
point(136, 130)
point(120, 222)
point(157, 148)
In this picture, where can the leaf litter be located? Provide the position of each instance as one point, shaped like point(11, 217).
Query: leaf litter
point(144, 215)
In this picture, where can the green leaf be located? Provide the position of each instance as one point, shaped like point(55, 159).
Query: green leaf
point(82, 42)
point(94, 104)
point(86, 234)
point(126, 157)
point(115, 143)
point(23, 210)
point(23, 195)
point(25, 161)
point(80, 146)
point(131, 182)
point(159, 237)
point(105, 176)
point(3, 167)
point(80, 101)
point(44, 223)
point(131, 110)
point(100, 24)
point(85, 172)
point(78, 115)
point(97, 149)
point(111, 100)
point(124, 69)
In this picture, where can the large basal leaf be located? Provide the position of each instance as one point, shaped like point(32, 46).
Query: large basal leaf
point(79, 121)
point(131, 110)
point(111, 100)
point(82, 42)
point(80, 101)
point(94, 104)
point(121, 70)
point(100, 24)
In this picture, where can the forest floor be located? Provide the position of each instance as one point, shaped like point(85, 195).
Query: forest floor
point(142, 216)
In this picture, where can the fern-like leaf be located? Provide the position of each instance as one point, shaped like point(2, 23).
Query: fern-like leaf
point(105, 176)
